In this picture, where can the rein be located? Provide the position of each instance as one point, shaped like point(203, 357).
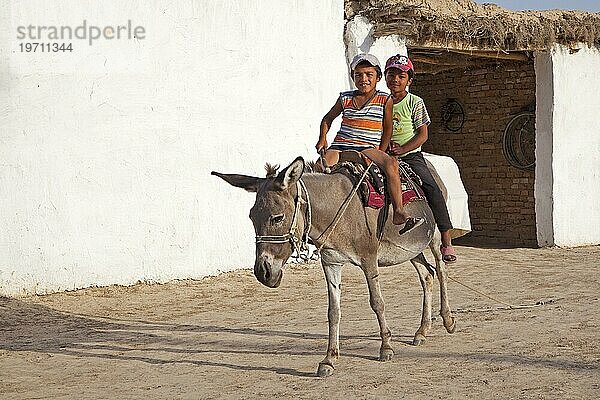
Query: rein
point(300, 246)
point(341, 210)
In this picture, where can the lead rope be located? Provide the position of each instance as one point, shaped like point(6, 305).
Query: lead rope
point(341, 211)
point(309, 211)
point(508, 306)
point(326, 169)
point(301, 246)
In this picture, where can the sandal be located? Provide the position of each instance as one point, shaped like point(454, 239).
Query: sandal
point(410, 223)
point(448, 254)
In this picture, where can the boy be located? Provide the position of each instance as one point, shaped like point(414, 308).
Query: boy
point(410, 120)
point(367, 112)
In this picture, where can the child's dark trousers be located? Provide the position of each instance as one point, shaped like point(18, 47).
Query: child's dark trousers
point(432, 191)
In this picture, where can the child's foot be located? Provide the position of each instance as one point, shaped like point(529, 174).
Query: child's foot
point(410, 224)
point(448, 254)
point(400, 217)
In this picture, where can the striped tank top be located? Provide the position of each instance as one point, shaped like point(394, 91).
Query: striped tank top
point(361, 127)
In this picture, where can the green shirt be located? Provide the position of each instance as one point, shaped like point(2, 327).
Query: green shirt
point(409, 115)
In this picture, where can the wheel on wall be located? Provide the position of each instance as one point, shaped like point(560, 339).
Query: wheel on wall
point(518, 141)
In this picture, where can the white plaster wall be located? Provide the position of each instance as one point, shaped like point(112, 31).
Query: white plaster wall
point(359, 39)
point(567, 186)
point(576, 146)
point(544, 179)
point(106, 152)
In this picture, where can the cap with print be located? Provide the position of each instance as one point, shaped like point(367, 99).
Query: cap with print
point(399, 61)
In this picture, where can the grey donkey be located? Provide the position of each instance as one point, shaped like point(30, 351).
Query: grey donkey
point(292, 206)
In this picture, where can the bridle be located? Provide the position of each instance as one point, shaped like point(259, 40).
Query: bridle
point(300, 245)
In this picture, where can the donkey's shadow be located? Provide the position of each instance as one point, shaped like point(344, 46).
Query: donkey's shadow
point(38, 328)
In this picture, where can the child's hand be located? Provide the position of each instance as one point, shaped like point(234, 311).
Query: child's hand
point(395, 149)
point(321, 145)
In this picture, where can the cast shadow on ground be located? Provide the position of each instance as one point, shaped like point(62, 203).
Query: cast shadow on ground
point(37, 328)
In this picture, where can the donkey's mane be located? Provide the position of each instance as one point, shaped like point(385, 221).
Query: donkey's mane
point(311, 167)
point(271, 170)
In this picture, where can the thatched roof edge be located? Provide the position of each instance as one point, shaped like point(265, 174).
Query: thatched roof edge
point(467, 25)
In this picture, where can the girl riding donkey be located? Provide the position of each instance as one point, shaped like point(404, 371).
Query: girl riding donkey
point(367, 128)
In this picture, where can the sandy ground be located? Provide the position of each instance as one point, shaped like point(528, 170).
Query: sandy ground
point(228, 337)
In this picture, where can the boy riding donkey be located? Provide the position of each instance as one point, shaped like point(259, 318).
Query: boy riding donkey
point(410, 121)
point(367, 128)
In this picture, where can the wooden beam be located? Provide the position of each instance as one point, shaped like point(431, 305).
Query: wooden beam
point(515, 56)
point(430, 60)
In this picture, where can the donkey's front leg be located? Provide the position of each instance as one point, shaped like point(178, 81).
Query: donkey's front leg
point(371, 270)
point(333, 275)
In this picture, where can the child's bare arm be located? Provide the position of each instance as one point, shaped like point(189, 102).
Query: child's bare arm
point(388, 125)
point(414, 143)
point(326, 122)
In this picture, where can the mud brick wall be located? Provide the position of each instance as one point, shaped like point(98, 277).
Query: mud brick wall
point(501, 199)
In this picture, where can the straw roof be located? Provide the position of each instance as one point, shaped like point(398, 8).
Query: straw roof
point(464, 24)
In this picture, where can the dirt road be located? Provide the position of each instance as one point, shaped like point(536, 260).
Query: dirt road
point(228, 337)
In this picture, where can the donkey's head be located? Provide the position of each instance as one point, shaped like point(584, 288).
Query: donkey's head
point(277, 219)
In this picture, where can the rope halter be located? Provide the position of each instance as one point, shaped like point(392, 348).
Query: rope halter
point(299, 245)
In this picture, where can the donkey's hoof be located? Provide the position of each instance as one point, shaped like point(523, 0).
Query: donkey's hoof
point(419, 340)
point(451, 327)
point(386, 354)
point(325, 370)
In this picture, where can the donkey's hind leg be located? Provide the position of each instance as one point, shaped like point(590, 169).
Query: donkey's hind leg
point(426, 280)
point(442, 273)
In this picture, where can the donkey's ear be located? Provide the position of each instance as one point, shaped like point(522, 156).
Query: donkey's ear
point(250, 183)
point(291, 174)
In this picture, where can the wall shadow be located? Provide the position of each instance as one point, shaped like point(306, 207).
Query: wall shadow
point(489, 243)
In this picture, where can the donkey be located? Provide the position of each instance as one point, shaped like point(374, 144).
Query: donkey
point(292, 206)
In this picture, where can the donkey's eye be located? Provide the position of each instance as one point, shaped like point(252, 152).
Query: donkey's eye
point(277, 219)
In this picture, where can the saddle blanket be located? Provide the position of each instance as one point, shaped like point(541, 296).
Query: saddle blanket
point(444, 171)
point(372, 189)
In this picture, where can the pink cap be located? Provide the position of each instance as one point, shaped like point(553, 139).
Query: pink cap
point(399, 61)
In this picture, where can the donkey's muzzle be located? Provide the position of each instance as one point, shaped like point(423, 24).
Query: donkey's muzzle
point(266, 272)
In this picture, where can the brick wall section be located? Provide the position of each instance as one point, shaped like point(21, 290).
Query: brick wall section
point(501, 199)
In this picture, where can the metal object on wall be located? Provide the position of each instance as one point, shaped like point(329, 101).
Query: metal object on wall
point(518, 140)
point(453, 115)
